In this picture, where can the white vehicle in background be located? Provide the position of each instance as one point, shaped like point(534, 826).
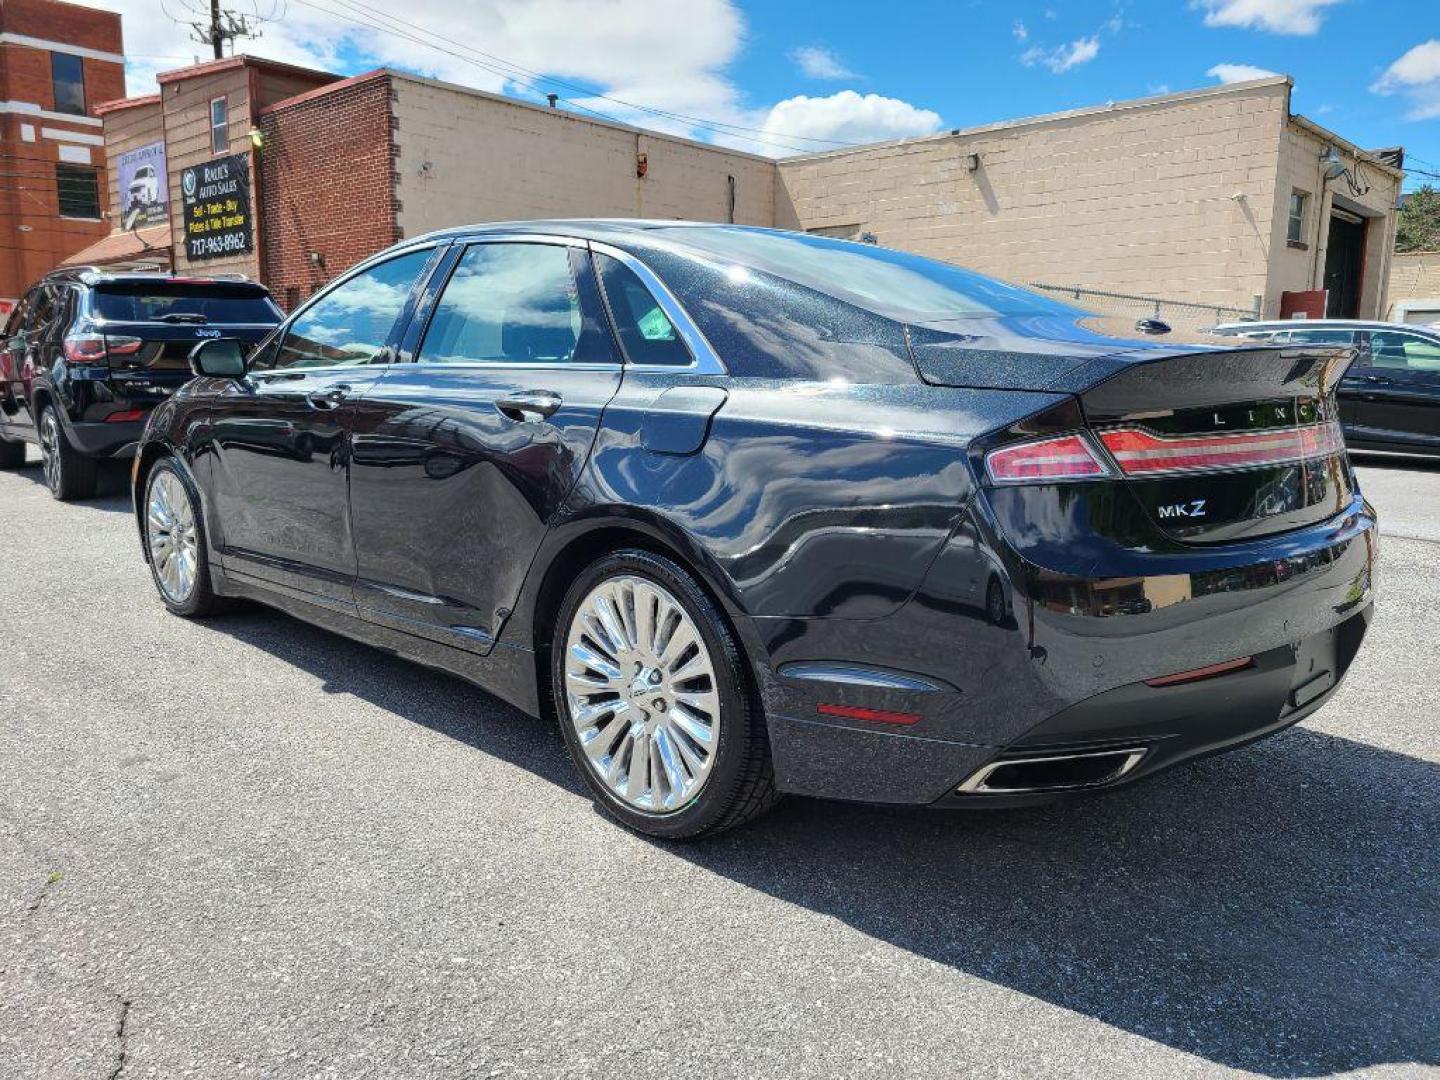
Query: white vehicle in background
point(143, 193)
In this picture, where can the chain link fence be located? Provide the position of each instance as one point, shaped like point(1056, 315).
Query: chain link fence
point(1179, 314)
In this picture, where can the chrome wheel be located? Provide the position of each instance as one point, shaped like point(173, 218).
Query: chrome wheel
point(640, 690)
point(50, 449)
point(170, 531)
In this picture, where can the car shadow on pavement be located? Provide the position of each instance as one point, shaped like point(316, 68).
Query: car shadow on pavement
point(1273, 910)
point(112, 487)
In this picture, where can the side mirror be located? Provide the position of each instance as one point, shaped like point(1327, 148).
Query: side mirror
point(218, 358)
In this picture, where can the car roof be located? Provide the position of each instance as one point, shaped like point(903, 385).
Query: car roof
point(92, 275)
point(581, 228)
point(1325, 324)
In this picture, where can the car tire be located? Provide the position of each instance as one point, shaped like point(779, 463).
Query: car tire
point(683, 752)
point(173, 531)
point(12, 454)
point(996, 609)
point(69, 474)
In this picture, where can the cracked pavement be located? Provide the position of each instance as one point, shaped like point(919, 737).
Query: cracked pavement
point(250, 848)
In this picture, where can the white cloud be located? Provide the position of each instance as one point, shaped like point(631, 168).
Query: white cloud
point(849, 117)
point(818, 62)
point(1233, 73)
point(1300, 17)
point(1020, 31)
point(1417, 75)
point(633, 50)
point(1063, 57)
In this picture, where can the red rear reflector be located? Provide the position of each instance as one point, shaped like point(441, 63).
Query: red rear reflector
point(874, 716)
point(1196, 674)
point(1065, 457)
point(128, 414)
point(1142, 453)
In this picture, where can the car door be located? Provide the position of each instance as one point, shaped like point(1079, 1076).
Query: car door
point(35, 348)
point(14, 403)
point(1398, 392)
point(279, 439)
point(463, 457)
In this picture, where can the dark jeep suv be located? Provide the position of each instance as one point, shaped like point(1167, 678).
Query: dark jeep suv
point(86, 355)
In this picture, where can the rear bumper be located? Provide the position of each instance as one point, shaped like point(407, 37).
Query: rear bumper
point(1066, 668)
point(100, 439)
point(1171, 724)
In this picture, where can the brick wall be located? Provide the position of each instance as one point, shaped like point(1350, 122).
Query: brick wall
point(327, 184)
point(33, 140)
point(1294, 267)
point(467, 157)
point(73, 24)
point(1136, 198)
point(1414, 275)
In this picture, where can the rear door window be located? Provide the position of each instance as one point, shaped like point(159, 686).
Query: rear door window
point(1397, 351)
point(511, 303)
point(645, 331)
point(175, 302)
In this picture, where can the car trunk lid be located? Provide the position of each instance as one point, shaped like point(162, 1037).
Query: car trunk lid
point(1215, 442)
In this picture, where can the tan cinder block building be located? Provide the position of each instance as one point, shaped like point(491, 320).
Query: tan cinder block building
point(1415, 287)
point(1185, 196)
point(1214, 197)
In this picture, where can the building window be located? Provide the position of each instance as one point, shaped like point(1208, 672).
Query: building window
point(1295, 226)
point(79, 191)
point(67, 77)
point(219, 127)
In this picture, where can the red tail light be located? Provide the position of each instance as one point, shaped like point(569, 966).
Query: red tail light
point(125, 417)
point(96, 348)
point(84, 348)
point(1065, 457)
point(1142, 453)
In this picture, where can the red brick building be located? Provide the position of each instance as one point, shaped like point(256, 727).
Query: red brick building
point(57, 62)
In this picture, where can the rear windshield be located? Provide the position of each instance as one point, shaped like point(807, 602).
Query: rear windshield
point(901, 286)
point(180, 302)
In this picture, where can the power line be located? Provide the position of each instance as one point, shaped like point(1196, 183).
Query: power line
point(530, 79)
point(694, 120)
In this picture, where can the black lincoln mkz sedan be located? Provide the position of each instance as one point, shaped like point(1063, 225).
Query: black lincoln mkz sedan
point(754, 512)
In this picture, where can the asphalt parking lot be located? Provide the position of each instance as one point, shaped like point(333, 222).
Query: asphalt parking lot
point(249, 848)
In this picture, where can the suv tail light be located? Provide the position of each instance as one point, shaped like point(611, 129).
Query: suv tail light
point(97, 348)
point(1142, 453)
point(1064, 457)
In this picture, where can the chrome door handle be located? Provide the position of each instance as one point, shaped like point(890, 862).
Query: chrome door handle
point(529, 405)
point(327, 400)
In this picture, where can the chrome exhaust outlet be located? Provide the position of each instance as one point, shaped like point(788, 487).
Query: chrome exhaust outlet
point(1052, 772)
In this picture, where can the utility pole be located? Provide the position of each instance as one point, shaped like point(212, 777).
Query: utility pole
point(223, 25)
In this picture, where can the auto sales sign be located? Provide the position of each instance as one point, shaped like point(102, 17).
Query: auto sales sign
point(215, 197)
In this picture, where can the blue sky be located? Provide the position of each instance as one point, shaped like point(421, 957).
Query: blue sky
point(790, 74)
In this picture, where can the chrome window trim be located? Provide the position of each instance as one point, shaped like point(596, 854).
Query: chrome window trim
point(704, 360)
